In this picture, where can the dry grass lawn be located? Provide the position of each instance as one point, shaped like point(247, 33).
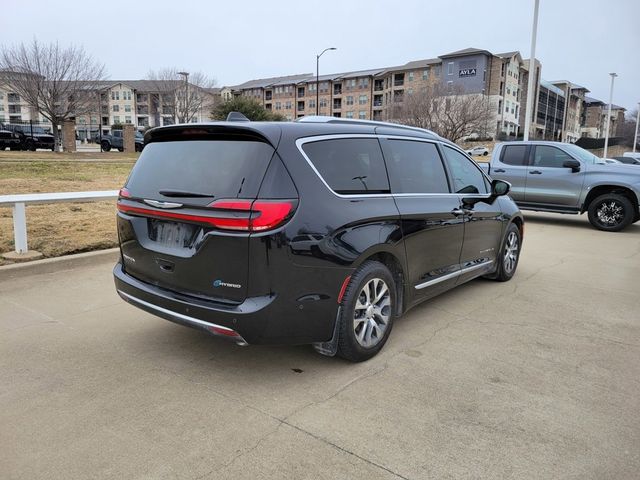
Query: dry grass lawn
point(63, 228)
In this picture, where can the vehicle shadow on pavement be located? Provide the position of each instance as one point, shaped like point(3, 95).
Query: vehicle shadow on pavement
point(572, 221)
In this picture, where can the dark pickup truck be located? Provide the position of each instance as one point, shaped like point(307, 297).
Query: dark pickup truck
point(9, 139)
point(564, 178)
point(116, 140)
point(31, 137)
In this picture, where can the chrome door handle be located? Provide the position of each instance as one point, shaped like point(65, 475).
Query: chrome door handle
point(535, 172)
point(499, 170)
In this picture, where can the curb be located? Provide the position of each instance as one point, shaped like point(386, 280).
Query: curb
point(56, 264)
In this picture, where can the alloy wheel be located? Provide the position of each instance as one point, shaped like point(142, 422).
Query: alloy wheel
point(511, 252)
point(610, 213)
point(372, 313)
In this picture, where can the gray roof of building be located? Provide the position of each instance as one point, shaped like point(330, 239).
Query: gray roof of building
point(574, 86)
point(507, 54)
point(466, 51)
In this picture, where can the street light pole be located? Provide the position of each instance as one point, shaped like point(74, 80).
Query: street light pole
point(318, 78)
point(606, 136)
point(186, 94)
point(532, 72)
point(635, 137)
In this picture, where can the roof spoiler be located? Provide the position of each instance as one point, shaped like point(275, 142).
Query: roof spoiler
point(237, 117)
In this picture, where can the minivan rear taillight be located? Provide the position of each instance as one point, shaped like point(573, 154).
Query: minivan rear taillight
point(239, 215)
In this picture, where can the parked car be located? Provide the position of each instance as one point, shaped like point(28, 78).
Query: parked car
point(478, 151)
point(611, 161)
point(627, 160)
point(320, 231)
point(634, 155)
point(116, 140)
point(8, 139)
point(564, 178)
point(32, 137)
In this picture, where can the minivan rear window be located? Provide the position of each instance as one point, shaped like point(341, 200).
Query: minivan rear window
point(349, 165)
point(220, 168)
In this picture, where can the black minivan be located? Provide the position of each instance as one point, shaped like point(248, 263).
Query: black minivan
point(320, 231)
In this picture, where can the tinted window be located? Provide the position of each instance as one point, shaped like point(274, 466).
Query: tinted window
point(467, 178)
point(514, 155)
point(225, 169)
point(350, 165)
point(415, 167)
point(546, 156)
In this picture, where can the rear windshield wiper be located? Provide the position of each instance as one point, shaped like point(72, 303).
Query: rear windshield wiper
point(182, 193)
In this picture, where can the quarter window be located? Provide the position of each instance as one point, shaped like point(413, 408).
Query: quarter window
point(467, 178)
point(514, 155)
point(546, 156)
point(415, 167)
point(349, 165)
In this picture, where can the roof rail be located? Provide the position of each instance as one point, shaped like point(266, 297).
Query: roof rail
point(353, 121)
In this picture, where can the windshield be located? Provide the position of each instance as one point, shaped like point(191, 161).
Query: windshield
point(582, 154)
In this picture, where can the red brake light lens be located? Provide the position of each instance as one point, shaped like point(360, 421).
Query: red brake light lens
point(124, 193)
point(241, 215)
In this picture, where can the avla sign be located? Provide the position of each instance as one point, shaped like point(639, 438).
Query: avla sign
point(467, 72)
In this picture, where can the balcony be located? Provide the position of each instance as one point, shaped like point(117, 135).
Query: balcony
point(337, 104)
point(13, 98)
point(143, 110)
point(398, 83)
point(268, 95)
point(378, 86)
point(300, 92)
point(337, 89)
point(14, 109)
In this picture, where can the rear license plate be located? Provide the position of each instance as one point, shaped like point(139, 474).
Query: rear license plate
point(172, 234)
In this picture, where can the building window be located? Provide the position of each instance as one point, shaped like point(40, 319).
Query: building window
point(116, 108)
point(506, 108)
point(425, 74)
point(411, 76)
point(499, 106)
point(364, 82)
point(127, 119)
point(450, 68)
point(436, 70)
point(278, 106)
point(323, 102)
point(116, 119)
point(300, 106)
point(312, 104)
point(349, 100)
point(288, 105)
point(127, 108)
point(362, 115)
point(324, 87)
point(362, 100)
point(349, 114)
point(450, 86)
point(13, 98)
point(312, 87)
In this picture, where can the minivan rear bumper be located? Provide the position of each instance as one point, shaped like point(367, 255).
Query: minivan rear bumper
point(233, 322)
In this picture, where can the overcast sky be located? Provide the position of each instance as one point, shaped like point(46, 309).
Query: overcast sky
point(578, 40)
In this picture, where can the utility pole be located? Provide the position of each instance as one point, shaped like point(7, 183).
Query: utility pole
point(606, 135)
point(318, 78)
point(635, 137)
point(532, 72)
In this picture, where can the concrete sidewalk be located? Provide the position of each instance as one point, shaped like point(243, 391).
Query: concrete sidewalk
point(535, 378)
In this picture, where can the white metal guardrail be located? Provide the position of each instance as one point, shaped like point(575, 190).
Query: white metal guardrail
point(19, 203)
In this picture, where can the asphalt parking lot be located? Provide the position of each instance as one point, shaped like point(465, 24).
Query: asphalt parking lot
point(535, 378)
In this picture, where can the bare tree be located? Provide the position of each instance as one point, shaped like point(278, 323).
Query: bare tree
point(452, 114)
point(184, 94)
point(59, 82)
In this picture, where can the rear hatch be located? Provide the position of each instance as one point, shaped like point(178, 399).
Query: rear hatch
point(188, 209)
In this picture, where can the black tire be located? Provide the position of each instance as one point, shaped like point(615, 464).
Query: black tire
point(120, 149)
point(507, 264)
point(611, 212)
point(138, 148)
point(106, 146)
point(354, 325)
point(29, 145)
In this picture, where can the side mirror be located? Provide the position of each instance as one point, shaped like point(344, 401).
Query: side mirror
point(500, 188)
point(574, 165)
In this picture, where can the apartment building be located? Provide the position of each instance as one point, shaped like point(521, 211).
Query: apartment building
point(143, 103)
point(574, 96)
point(379, 93)
point(594, 122)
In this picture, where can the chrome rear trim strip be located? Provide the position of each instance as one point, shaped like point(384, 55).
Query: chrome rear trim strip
point(451, 275)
